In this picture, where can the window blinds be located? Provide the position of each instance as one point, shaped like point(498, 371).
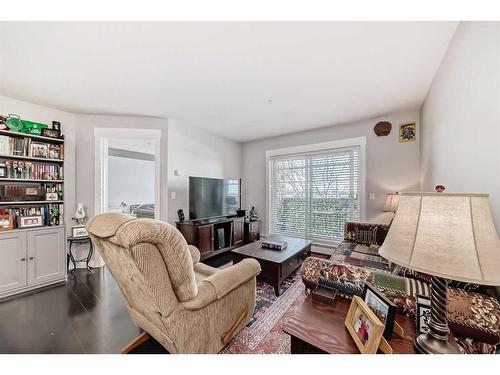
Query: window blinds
point(312, 195)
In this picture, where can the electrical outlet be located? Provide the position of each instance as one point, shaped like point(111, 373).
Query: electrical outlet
point(372, 196)
point(173, 195)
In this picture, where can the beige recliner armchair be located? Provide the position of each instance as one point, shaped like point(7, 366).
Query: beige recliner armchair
point(185, 305)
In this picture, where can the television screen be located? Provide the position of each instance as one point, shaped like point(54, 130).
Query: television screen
point(212, 197)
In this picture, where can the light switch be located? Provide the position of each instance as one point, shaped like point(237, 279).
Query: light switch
point(173, 195)
point(372, 196)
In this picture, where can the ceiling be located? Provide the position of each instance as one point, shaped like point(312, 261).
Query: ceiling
point(241, 80)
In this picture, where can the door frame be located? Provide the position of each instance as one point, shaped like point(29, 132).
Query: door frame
point(102, 136)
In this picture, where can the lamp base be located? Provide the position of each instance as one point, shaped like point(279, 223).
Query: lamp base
point(426, 344)
point(436, 341)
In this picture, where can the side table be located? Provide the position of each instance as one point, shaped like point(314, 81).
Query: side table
point(70, 256)
point(319, 328)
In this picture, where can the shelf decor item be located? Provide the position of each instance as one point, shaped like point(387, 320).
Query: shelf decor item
point(449, 236)
point(423, 313)
point(6, 222)
point(382, 128)
point(79, 231)
point(364, 326)
point(30, 221)
point(51, 133)
point(51, 196)
point(80, 214)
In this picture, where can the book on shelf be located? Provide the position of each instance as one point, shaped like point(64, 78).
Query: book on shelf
point(16, 146)
point(35, 191)
point(27, 170)
point(274, 244)
point(52, 214)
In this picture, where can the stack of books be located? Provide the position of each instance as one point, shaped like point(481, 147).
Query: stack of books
point(274, 244)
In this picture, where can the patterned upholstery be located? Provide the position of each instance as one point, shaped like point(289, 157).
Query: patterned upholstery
point(185, 305)
point(361, 244)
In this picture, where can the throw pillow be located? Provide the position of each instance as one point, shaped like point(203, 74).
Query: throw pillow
point(474, 315)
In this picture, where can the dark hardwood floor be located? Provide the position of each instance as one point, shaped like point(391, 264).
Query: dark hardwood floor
point(84, 315)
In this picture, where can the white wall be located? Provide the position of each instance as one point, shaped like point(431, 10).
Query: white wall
point(460, 118)
point(390, 166)
point(85, 156)
point(196, 152)
point(122, 188)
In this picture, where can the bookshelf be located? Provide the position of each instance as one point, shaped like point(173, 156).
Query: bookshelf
point(32, 230)
point(31, 180)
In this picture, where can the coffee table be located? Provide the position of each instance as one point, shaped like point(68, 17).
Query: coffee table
point(276, 265)
point(318, 328)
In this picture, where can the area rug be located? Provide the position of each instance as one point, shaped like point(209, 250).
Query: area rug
point(264, 334)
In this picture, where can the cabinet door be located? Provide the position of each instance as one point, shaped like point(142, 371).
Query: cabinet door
point(13, 261)
point(205, 238)
point(46, 255)
point(238, 227)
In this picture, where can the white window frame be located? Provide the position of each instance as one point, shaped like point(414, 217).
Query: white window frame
point(324, 146)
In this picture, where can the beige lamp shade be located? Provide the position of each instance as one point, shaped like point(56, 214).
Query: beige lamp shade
point(391, 203)
point(447, 235)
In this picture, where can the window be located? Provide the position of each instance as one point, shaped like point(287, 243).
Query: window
point(314, 192)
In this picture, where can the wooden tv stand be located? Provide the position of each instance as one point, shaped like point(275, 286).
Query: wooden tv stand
point(215, 236)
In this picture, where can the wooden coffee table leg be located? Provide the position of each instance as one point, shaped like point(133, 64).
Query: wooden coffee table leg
point(277, 282)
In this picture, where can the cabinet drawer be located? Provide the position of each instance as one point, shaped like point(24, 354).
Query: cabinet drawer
point(289, 266)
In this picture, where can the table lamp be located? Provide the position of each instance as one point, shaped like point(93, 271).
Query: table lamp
point(391, 203)
point(449, 236)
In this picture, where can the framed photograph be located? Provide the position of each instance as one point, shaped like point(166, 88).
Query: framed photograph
point(51, 133)
point(51, 196)
point(423, 313)
point(79, 231)
point(382, 306)
point(30, 221)
point(54, 152)
point(364, 326)
point(6, 222)
point(39, 150)
point(407, 132)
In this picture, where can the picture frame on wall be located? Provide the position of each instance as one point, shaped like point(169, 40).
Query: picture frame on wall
point(364, 327)
point(382, 306)
point(408, 132)
point(79, 231)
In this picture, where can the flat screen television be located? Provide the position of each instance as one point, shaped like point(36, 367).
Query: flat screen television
point(213, 197)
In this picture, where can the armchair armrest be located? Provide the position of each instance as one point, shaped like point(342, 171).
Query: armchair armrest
point(222, 282)
point(195, 253)
point(232, 277)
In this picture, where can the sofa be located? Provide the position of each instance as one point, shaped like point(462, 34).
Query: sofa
point(187, 306)
point(473, 314)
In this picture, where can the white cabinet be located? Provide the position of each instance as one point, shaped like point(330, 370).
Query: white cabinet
point(31, 258)
point(13, 261)
point(45, 256)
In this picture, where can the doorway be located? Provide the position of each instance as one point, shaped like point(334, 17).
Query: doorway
point(127, 169)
